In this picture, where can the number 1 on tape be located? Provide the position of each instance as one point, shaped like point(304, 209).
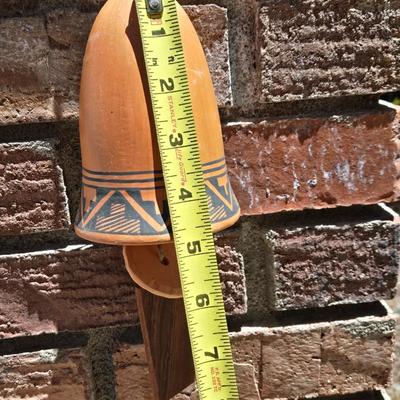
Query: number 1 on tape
point(194, 243)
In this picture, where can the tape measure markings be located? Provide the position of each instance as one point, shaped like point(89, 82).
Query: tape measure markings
point(188, 201)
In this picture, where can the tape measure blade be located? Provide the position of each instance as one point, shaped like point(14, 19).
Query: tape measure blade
point(187, 199)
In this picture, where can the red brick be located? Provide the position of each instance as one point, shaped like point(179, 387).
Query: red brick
point(42, 84)
point(312, 162)
point(247, 382)
point(247, 350)
point(68, 31)
point(396, 129)
point(291, 362)
point(16, 8)
point(83, 287)
point(232, 274)
point(318, 259)
point(394, 390)
point(211, 22)
point(32, 192)
point(132, 374)
point(356, 357)
point(321, 265)
point(24, 79)
point(47, 374)
point(339, 357)
point(133, 382)
point(333, 48)
point(65, 289)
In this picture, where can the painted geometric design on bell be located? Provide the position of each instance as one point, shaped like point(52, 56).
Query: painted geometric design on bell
point(129, 203)
point(222, 203)
point(123, 203)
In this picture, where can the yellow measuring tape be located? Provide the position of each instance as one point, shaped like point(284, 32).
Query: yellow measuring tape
point(188, 206)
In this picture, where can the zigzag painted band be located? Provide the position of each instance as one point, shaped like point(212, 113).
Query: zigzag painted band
point(135, 204)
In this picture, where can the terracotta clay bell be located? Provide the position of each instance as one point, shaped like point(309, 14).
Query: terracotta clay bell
point(123, 195)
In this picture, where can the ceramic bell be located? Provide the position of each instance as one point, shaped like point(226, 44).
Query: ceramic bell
point(123, 198)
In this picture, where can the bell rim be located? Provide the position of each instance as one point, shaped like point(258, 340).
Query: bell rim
point(143, 240)
point(122, 240)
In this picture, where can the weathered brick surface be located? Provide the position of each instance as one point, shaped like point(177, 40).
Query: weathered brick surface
point(339, 357)
point(397, 141)
point(247, 350)
point(395, 388)
point(396, 130)
point(64, 290)
point(211, 22)
point(132, 374)
point(47, 374)
point(319, 49)
point(327, 358)
point(232, 274)
point(375, 395)
point(25, 90)
point(316, 259)
point(32, 192)
point(16, 8)
point(68, 31)
point(132, 377)
point(42, 84)
point(317, 266)
point(356, 357)
point(246, 381)
point(83, 287)
point(291, 362)
point(314, 162)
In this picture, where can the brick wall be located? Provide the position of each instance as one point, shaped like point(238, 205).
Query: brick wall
point(312, 156)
